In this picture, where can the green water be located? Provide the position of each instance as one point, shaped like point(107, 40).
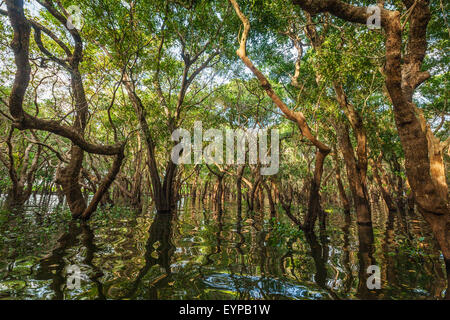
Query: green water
point(200, 254)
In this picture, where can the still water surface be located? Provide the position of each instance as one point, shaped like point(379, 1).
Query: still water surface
point(200, 254)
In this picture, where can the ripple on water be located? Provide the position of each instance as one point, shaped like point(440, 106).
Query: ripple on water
point(260, 288)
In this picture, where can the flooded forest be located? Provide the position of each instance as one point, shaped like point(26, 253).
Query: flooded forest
point(224, 149)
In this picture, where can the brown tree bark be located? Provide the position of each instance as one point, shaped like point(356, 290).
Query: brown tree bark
point(271, 201)
point(356, 176)
point(195, 185)
point(162, 191)
point(356, 165)
point(399, 183)
point(253, 190)
point(240, 173)
point(218, 197)
point(380, 178)
point(314, 208)
point(341, 189)
point(205, 190)
point(286, 203)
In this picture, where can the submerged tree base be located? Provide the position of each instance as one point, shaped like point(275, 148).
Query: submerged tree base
point(194, 253)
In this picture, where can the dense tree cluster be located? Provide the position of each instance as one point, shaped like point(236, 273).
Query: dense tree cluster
point(90, 96)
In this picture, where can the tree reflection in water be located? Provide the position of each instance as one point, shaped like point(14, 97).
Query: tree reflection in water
point(199, 253)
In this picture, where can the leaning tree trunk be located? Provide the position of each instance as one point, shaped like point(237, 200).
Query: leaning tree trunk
point(218, 197)
point(314, 208)
point(240, 173)
point(163, 196)
point(382, 184)
point(342, 194)
point(269, 196)
point(356, 174)
point(253, 191)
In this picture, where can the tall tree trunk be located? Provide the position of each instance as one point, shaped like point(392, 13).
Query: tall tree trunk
point(269, 196)
point(383, 183)
point(240, 173)
point(219, 194)
point(314, 208)
point(205, 191)
point(356, 176)
point(253, 191)
point(341, 190)
point(162, 192)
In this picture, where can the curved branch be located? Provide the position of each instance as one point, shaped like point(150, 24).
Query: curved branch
point(296, 117)
point(23, 120)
